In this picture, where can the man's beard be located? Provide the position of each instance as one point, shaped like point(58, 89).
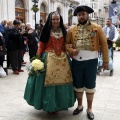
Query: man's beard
point(83, 23)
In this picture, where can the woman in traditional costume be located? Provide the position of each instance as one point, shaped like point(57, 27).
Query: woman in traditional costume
point(52, 91)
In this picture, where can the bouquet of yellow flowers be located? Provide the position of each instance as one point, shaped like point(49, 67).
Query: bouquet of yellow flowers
point(36, 66)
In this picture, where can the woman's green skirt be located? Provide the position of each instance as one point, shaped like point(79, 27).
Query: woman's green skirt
point(50, 98)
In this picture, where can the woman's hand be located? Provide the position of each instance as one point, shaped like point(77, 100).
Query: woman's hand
point(30, 31)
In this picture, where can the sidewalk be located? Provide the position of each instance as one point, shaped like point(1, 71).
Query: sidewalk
point(106, 103)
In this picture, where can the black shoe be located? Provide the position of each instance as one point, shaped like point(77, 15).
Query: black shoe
point(111, 72)
point(77, 111)
point(90, 115)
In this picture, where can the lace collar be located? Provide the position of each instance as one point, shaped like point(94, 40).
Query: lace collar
point(57, 33)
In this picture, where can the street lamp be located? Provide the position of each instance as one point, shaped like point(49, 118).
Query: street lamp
point(97, 20)
point(35, 10)
point(102, 22)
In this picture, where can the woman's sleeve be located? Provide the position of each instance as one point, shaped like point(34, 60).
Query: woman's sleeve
point(41, 48)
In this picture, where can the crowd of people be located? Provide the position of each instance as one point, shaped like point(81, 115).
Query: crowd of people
point(17, 38)
point(64, 81)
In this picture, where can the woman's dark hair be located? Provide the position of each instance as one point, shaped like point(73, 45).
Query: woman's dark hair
point(45, 33)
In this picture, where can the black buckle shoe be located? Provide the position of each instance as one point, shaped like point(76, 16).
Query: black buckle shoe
point(90, 115)
point(111, 72)
point(77, 111)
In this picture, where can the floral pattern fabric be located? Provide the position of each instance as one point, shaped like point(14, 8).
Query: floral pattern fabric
point(83, 42)
point(58, 70)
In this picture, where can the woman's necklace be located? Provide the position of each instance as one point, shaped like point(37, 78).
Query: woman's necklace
point(56, 33)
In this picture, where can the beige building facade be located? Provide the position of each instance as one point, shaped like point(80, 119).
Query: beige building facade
point(21, 9)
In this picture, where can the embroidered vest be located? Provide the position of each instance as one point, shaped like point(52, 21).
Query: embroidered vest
point(83, 42)
point(111, 32)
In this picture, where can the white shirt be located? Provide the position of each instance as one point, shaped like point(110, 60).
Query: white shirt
point(86, 55)
point(116, 34)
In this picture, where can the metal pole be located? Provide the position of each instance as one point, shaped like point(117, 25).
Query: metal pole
point(35, 18)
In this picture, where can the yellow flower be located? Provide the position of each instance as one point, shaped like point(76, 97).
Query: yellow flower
point(37, 65)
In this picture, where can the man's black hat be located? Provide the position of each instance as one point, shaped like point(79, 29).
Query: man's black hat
point(83, 8)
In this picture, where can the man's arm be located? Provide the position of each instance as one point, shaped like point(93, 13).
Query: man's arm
point(116, 35)
point(103, 44)
point(68, 42)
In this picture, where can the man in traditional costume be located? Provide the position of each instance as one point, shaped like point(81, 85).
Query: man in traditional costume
point(86, 38)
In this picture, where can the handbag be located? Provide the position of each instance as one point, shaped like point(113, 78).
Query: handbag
point(2, 72)
point(3, 51)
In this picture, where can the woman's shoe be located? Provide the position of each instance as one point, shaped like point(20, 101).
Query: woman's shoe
point(77, 111)
point(20, 70)
point(16, 72)
point(53, 113)
point(90, 115)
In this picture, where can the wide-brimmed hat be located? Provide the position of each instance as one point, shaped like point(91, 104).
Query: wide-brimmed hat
point(83, 8)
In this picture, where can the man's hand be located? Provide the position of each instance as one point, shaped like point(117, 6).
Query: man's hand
point(75, 52)
point(105, 66)
point(23, 31)
point(70, 45)
point(30, 31)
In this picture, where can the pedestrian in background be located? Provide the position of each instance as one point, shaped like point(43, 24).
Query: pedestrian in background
point(1, 50)
point(86, 38)
point(112, 35)
point(32, 39)
point(7, 29)
point(40, 27)
point(2, 28)
point(15, 45)
point(22, 28)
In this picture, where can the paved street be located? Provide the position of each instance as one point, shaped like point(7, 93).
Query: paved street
point(106, 103)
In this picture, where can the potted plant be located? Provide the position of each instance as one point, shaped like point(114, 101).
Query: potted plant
point(35, 9)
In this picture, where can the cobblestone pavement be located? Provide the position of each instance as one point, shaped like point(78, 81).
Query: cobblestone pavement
point(106, 103)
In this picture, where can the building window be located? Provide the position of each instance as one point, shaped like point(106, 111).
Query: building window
point(95, 6)
point(19, 10)
point(43, 11)
point(42, 8)
point(19, 4)
point(58, 10)
point(95, 15)
point(70, 17)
